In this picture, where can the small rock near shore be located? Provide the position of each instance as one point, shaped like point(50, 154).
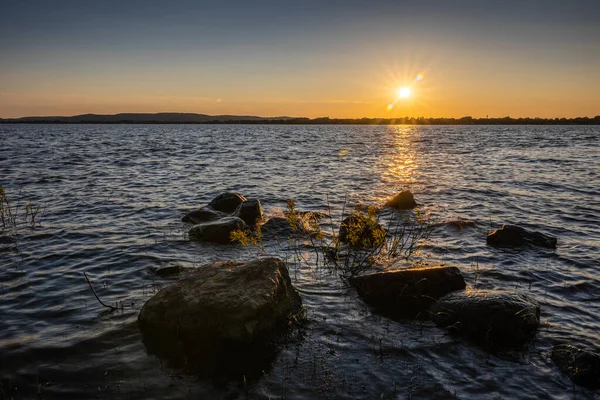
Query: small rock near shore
point(402, 201)
point(227, 202)
point(218, 231)
point(250, 212)
point(203, 214)
point(409, 292)
point(581, 366)
point(511, 235)
point(496, 319)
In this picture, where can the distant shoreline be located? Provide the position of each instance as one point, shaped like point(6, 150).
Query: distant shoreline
point(187, 118)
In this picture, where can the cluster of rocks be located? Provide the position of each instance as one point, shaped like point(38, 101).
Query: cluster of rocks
point(224, 214)
point(232, 305)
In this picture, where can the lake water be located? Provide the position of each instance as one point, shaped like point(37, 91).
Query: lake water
point(113, 197)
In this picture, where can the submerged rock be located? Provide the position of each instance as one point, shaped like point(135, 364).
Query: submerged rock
point(409, 292)
point(511, 235)
point(277, 226)
point(497, 319)
point(402, 201)
point(227, 202)
point(581, 366)
point(170, 271)
point(225, 301)
point(250, 211)
point(203, 214)
point(223, 318)
point(217, 231)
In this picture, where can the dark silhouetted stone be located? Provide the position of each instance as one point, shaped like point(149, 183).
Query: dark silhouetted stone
point(407, 293)
point(227, 202)
point(496, 319)
point(511, 235)
point(203, 215)
point(402, 201)
point(225, 301)
point(581, 366)
point(217, 231)
point(250, 211)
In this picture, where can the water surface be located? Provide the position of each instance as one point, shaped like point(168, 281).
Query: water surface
point(113, 196)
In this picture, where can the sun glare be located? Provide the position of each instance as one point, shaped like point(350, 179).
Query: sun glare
point(404, 92)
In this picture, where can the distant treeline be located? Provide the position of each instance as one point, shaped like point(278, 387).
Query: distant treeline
point(204, 119)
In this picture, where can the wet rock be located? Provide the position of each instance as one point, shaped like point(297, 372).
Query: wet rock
point(218, 231)
point(402, 201)
point(250, 211)
point(581, 366)
point(203, 214)
point(225, 302)
point(361, 230)
point(511, 235)
point(407, 293)
point(496, 319)
point(277, 226)
point(227, 202)
point(170, 271)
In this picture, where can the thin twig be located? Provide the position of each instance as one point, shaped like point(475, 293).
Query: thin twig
point(95, 294)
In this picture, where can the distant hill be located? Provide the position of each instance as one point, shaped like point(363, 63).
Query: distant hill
point(139, 118)
point(191, 118)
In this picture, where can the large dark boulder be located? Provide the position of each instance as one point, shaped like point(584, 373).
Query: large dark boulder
point(227, 202)
point(496, 319)
point(218, 231)
point(224, 316)
point(279, 227)
point(203, 214)
point(250, 212)
point(225, 301)
point(407, 293)
point(581, 366)
point(511, 235)
point(361, 230)
point(402, 201)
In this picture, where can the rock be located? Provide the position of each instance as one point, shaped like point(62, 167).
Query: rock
point(222, 319)
point(225, 302)
point(361, 230)
point(227, 202)
point(250, 211)
point(581, 366)
point(497, 319)
point(511, 235)
point(277, 226)
point(203, 214)
point(217, 231)
point(402, 201)
point(409, 292)
point(170, 271)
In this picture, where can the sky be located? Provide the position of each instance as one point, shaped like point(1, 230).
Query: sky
point(336, 58)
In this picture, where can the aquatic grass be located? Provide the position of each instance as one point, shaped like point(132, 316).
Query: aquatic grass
point(12, 216)
point(361, 242)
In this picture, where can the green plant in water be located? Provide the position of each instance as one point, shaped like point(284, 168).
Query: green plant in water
point(11, 217)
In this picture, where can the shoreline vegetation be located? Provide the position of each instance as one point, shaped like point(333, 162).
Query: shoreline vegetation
point(192, 118)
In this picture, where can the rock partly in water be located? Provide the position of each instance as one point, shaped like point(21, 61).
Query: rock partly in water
point(225, 302)
point(402, 201)
point(224, 318)
point(278, 226)
point(361, 230)
point(203, 214)
point(227, 202)
point(511, 235)
point(407, 293)
point(218, 231)
point(250, 212)
point(581, 366)
point(496, 319)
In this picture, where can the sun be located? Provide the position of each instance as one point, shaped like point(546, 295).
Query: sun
point(404, 92)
